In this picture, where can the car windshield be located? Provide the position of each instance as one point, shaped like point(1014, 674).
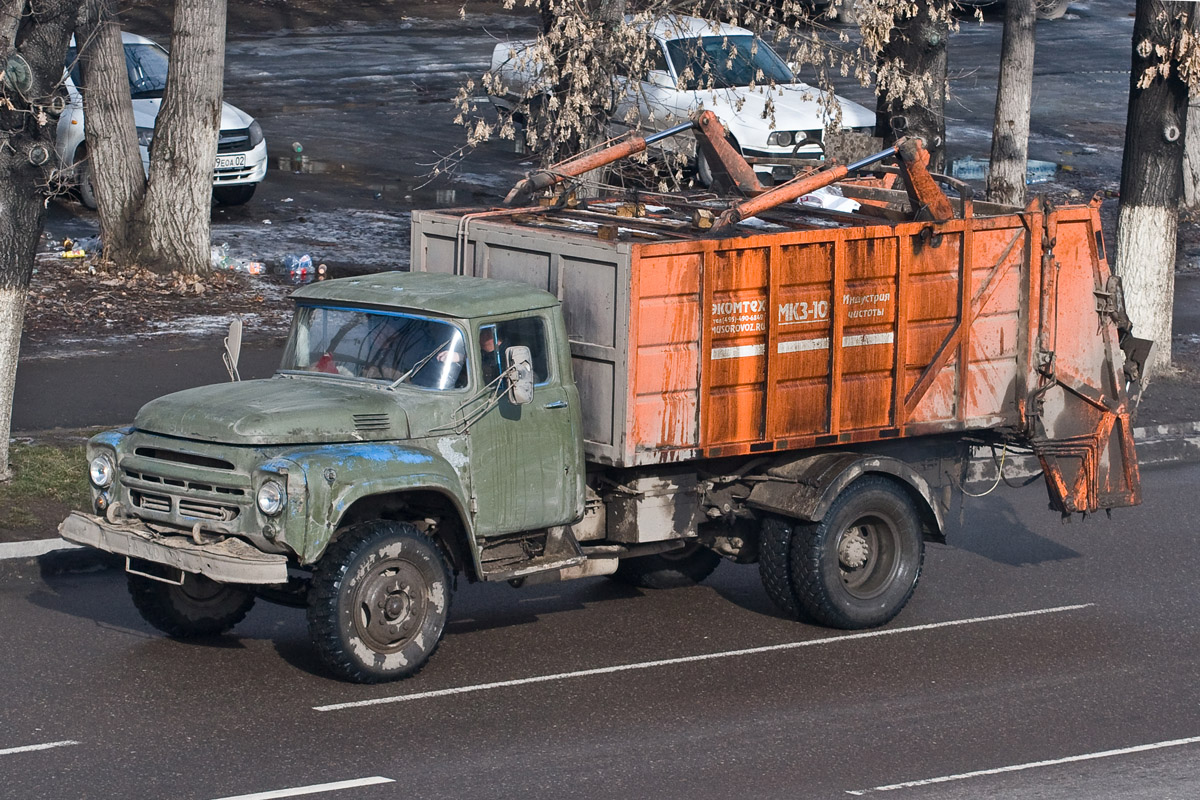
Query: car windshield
point(147, 67)
point(376, 346)
point(722, 62)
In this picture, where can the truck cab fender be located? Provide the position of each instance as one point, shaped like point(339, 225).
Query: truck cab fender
point(806, 488)
point(342, 475)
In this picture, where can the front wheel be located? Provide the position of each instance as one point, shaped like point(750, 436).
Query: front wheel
point(378, 603)
point(673, 569)
point(860, 565)
point(197, 607)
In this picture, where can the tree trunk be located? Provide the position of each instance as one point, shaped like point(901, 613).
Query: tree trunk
point(114, 160)
point(38, 33)
point(1151, 176)
point(1191, 158)
point(1010, 131)
point(174, 222)
point(917, 46)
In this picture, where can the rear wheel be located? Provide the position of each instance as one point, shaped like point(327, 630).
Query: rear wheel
point(670, 570)
point(234, 195)
point(379, 601)
point(774, 563)
point(197, 607)
point(859, 566)
point(1051, 9)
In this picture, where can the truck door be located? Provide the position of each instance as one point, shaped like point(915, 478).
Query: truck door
point(526, 461)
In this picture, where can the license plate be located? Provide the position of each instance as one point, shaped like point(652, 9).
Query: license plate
point(228, 162)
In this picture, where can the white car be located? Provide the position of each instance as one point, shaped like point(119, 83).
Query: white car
point(241, 150)
point(689, 52)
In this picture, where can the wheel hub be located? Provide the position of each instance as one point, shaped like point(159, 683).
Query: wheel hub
point(853, 550)
point(391, 605)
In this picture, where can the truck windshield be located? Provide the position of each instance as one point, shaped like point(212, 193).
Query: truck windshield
point(721, 62)
point(376, 346)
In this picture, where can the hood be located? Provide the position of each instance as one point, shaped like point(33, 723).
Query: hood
point(145, 109)
point(797, 107)
point(278, 411)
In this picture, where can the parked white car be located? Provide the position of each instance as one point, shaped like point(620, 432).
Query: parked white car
point(689, 52)
point(241, 150)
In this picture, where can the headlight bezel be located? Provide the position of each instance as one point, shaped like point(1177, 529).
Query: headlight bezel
point(256, 133)
point(102, 471)
point(271, 497)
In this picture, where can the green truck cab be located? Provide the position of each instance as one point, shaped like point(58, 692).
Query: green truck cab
point(416, 424)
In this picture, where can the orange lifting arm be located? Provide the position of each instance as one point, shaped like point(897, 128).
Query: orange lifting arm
point(709, 134)
point(922, 190)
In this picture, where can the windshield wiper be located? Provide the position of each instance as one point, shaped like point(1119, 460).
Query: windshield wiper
point(417, 366)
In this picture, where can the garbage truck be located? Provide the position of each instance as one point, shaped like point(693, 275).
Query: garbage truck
point(636, 386)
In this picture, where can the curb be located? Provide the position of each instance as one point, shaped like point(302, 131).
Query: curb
point(1173, 443)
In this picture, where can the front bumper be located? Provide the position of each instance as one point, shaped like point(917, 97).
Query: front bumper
point(230, 560)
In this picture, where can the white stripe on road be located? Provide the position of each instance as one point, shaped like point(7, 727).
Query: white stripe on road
point(583, 673)
point(314, 789)
point(29, 748)
point(34, 548)
point(1141, 748)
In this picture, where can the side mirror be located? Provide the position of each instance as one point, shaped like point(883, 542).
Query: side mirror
point(519, 368)
point(233, 349)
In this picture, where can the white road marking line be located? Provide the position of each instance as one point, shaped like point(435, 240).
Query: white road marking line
point(314, 789)
point(34, 548)
point(29, 748)
point(665, 662)
point(1141, 748)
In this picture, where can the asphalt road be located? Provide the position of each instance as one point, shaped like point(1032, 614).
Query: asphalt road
point(1072, 648)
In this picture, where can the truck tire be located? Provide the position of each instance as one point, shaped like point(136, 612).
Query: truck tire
point(198, 607)
point(671, 570)
point(378, 603)
point(774, 563)
point(859, 566)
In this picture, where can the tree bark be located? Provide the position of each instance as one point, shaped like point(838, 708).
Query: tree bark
point(1151, 176)
point(1014, 95)
point(918, 46)
point(118, 179)
point(38, 33)
point(175, 220)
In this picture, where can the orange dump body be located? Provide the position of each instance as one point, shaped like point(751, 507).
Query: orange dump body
point(816, 329)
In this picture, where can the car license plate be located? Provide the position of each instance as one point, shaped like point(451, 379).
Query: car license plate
point(227, 162)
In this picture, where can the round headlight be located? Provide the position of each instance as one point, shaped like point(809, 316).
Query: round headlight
point(272, 497)
point(780, 139)
point(101, 471)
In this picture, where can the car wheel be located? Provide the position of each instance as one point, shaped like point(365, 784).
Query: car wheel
point(858, 567)
point(1051, 9)
point(378, 603)
point(234, 195)
point(197, 607)
point(687, 566)
point(87, 193)
point(704, 170)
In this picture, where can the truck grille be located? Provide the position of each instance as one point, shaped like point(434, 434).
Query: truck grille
point(188, 486)
point(190, 508)
point(151, 502)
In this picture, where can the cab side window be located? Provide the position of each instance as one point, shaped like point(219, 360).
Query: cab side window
point(496, 338)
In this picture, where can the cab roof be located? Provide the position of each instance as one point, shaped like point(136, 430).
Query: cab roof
point(433, 292)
